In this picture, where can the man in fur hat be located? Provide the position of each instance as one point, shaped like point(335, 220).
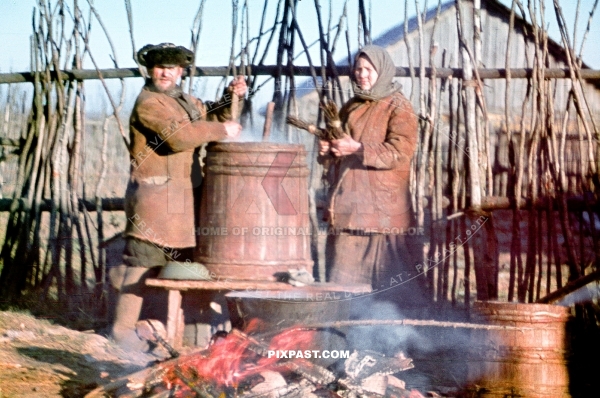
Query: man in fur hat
point(167, 128)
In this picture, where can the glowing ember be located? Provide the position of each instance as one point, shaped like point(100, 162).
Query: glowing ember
point(230, 360)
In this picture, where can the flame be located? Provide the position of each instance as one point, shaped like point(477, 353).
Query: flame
point(290, 339)
point(255, 325)
point(229, 360)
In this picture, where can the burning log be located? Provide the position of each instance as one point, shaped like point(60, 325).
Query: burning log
point(363, 364)
point(296, 390)
point(199, 390)
point(376, 384)
point(154, 331)
point(273, 382)
point(368, 371)
point(310, 371)
point(230, 362)
point(253, 344)
point(133, 385)
point(243, 365)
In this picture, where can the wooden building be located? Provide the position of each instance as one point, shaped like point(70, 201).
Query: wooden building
point(438, 46)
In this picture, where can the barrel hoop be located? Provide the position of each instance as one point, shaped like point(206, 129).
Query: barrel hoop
point(254, 147)
point(258, 171)
point(208, 261)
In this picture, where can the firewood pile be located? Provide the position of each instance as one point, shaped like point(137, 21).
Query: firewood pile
point(241, 364)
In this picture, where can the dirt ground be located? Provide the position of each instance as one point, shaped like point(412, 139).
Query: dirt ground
point(40, 359)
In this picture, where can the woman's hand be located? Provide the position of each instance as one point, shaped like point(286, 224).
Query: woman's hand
point(324, 147)
point(345, 146)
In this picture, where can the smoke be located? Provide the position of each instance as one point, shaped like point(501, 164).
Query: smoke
point(255, 134)
point(390, 340)
point(250, 134)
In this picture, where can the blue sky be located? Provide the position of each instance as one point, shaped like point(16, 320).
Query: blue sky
point(159, 21)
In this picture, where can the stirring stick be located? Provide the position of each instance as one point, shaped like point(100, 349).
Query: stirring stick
point(234, 109)
point(234, 106)
point(268, 121)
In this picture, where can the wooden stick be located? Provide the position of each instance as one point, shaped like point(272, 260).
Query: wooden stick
point(196, 29)
point(235, 100)
point(140, 68)
point(570, 287)
point(294, 26)
point(507, 118)
point(268, 121)
point(411, 70)
point(365, 22)
point(409, 322)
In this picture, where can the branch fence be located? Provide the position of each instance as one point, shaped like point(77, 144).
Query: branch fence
point(530, 186)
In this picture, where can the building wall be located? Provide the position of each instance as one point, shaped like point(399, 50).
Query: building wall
point(495, 25)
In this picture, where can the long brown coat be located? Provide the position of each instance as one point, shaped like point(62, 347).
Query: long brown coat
point(159, 202)
point(370, 189)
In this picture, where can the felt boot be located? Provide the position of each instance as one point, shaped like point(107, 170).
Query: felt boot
point(127, 312)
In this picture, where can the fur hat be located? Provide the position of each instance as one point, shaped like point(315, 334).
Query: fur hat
point(165, 54)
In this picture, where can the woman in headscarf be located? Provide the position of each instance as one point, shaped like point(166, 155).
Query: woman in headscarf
point(369, 205)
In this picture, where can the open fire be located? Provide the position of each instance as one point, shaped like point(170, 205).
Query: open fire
point(252, 363)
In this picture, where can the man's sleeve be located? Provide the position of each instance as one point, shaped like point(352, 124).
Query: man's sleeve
point(401, 139)
point(175, 129)
point(221, 110)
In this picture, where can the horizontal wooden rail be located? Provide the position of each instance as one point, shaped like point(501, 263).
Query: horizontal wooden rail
point(488, 203)
point(271, 70)
point(108, 204)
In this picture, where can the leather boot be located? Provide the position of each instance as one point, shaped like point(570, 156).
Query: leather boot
point(129, 306)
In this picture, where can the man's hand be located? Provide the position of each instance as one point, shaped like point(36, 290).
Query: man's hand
point(324, 147)
point(345, 146)
point(238, 86)
point(232, 129)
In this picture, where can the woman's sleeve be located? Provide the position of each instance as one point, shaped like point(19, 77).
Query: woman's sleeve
point(176, 131)
point(400, 142)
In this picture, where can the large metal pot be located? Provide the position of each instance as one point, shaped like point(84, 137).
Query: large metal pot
point(276, 310)
point(287, 308)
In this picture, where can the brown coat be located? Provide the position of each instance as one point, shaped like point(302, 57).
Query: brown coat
point(159, 202)
point(370, 189)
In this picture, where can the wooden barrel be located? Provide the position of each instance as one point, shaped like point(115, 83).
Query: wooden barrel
point(527, 360)
point(254, 220)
